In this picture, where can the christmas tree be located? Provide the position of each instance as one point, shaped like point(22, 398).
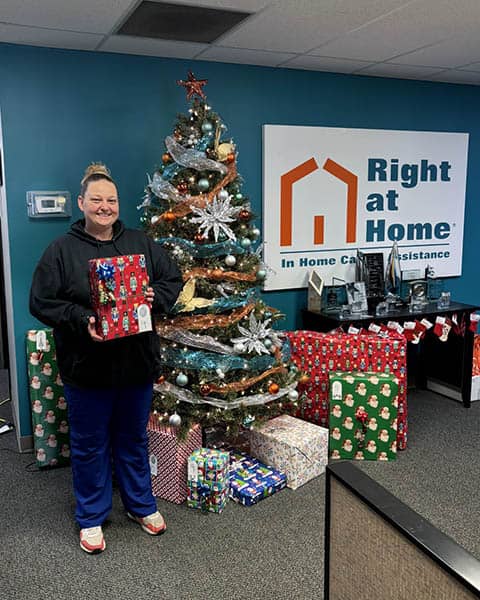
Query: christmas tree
point(223, 360)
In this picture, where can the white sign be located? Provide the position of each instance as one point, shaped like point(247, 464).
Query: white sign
point(331, 191)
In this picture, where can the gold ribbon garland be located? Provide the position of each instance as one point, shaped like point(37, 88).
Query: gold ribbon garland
point(197, 322)
point(218, 275)
point(184, 208)
point(238, 386)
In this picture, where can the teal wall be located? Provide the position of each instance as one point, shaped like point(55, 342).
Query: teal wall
point(63, 109)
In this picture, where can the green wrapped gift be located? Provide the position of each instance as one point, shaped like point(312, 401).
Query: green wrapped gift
point(208, 479)
point(363, 416)
point(49, 407)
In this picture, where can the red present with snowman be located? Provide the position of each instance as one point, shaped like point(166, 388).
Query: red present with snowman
point(118, 286)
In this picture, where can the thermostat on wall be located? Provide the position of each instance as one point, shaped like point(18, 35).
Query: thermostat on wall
point(49, 204)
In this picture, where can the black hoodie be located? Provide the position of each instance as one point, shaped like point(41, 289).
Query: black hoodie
point(60, 298)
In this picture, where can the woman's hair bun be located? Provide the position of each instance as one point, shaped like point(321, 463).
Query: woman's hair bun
point(96, 168)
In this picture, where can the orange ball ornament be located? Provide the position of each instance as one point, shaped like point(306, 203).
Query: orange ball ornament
point(304, 378)
point(273, 388)
point(161, 379)
point(230, 157)
point(166, 158)
point(169, 216)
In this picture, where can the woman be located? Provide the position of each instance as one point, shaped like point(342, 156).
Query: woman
point(108, 384)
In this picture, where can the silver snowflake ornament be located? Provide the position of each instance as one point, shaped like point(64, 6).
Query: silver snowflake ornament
point(215, 216)
point(252, 338)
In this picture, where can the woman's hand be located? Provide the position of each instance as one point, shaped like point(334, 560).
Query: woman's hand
point(91, 330)
point(150, 295)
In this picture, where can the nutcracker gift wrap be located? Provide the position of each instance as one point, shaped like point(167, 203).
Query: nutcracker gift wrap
point(168, 456)
point(293, 446)
point(117, 287)
point(49, 408)
point(251, 480)
point(317, 354)
point(208, 481)
point(363, 416)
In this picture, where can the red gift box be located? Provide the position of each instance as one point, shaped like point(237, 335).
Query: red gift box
point(319, 353)
point(168, 459)
point(118, 286)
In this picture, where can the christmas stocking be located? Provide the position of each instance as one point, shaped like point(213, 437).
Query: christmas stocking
point(442, 328)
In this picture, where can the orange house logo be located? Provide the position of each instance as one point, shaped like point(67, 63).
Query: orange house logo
point(286, 201)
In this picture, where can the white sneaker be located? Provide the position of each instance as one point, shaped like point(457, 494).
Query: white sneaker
point(153, 524)
point(92, 540)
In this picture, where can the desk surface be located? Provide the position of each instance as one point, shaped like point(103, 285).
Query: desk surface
point(401, 313)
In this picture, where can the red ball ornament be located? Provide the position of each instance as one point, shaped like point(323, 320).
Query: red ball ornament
point(199, 238)
point(182, 187)
point(273, 388)
point(244, 214)
point(161, 379)
point(205, 389)
point(166, 158)
point(230, 157)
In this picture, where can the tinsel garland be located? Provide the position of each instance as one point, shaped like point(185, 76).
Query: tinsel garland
point(191, 158)
point(218, 274)
point(184, 395)
point(203, 250)
point(185, 208)
point(197, 322)
point(187, 338)
point(239, 386)
point(197, 359)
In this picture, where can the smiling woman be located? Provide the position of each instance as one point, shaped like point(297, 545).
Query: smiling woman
point(98, 201)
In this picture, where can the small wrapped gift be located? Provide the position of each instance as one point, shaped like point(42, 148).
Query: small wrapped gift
point(293, 446)
point(363, 416)
point(117, 286)
point(168, 458)
point(251, 480)
point(208, 483)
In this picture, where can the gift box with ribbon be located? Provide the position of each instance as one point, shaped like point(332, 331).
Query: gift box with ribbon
point(318, 354)
point(293, 446)
point(117, 286)
point(363, 416)
point(207, 479)
point(251, 480)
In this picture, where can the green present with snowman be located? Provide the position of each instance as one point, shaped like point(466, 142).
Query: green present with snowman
point(363, 416)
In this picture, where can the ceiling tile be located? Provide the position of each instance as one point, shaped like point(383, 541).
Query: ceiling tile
point(414, 26)
point(93, 16)
point(151, 47)
point(51, 38)
point(293, 26)
point(246, 5)
point(402, 71)
point(451, 53)
point(325, 63)
point(244, 56)
point(455, 76)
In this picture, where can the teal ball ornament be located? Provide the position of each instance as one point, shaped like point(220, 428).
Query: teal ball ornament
point(238, 196)
point(261, 274)
point(267, 342)
point(181, 379)
point(207, 127)
point(245, 243)
point(203, 184)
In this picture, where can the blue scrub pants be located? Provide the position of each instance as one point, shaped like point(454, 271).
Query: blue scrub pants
point(109, 425)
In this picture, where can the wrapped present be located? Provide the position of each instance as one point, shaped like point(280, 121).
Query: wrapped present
point(51, 439)
point(168, 456)
point(293, 446)
point(117, 287)
point(363, 416)
point(318, 354)
point(251, 480)
point(208, 482)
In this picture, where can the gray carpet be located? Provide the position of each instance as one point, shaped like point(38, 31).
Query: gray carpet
point(273, 550)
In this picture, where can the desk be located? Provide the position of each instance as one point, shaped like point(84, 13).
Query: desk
point(444, 367)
